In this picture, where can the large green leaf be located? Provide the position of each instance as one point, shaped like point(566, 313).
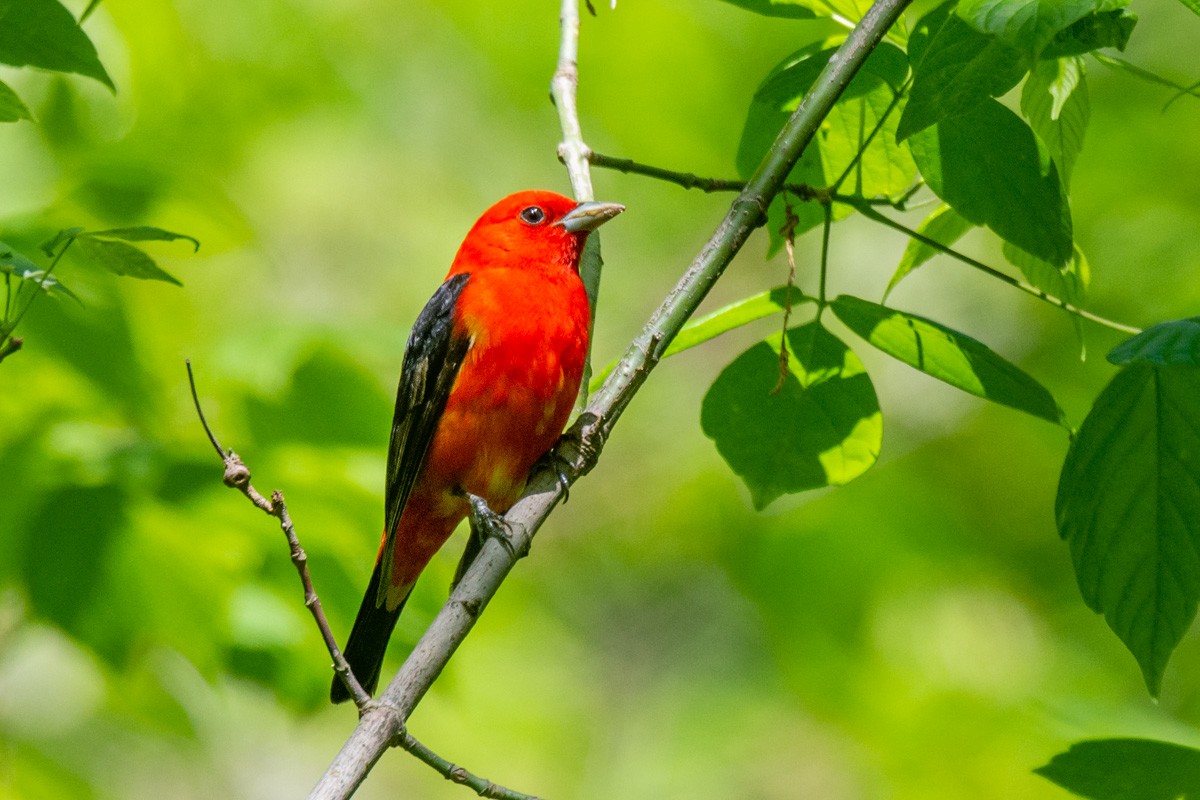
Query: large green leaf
point(1055, 101)
point(1127, 769)
point(1128, 505)
point(991, 168)
point(822, 428)
point(42, 33)
point(1174, 342)
point(122, 259)
point(945, 226)
point(11, 107)
point(958, 69)
point(1029, 25)
point(947, 355)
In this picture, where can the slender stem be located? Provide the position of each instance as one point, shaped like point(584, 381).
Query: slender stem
point(7, 303)
point(821, 298)
point(381, 723)
point(237, 476)
point(872, 214)
point(41, 284)
point(457, 774)
point(12, 345)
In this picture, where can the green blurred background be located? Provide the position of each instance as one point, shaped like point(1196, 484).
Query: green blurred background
point(917, 634)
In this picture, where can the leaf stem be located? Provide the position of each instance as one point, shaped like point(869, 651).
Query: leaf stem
point(41, 284)
point(871, 214)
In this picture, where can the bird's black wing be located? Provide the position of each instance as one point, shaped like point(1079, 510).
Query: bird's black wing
point(432, 359)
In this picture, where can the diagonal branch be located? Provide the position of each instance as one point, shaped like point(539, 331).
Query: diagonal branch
point(381, 723)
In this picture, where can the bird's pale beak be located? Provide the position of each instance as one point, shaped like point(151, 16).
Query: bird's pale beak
point(589, 216)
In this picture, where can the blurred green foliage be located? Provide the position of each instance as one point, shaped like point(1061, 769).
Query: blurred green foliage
point(915, 634)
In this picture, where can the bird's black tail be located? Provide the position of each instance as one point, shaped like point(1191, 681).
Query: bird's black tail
point(368, 640)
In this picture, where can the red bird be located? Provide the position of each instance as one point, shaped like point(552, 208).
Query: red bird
point(490, 375)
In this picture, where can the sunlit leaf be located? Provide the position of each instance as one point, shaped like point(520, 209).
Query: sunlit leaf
point(885, 168)
point(792, 9)
point(1029, 25)
point(945, 226)
point(1055, 101)
point(121, 259)
point(42, 33)
point(1126, 769)
point(959, 68)
point(11, 107)
point(991, 168)
point(949, 356)
point(822, 428)
point(143, 233)
point(1174, 342)
point(1129, 506)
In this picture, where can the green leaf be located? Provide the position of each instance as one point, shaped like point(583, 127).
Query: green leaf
point(1055, 101)
point(1126, 769)
point(777, 8)
point(1029, 25)
point(1093, 32)
point(15, 263)
point(774, 101)
point(62, 237)
point(992, 169)
point(143, 233)
point(823, 428)
point(1164, 344)
point(122, 259)
point(43, 34)
point(735, 315)
point(958, 69)
point(1069, 282)
point(1194, 5)
point(885, 168)
point(1146, 75)
point(944, 225)
point(1128, 506)
point(11, 107)
point(947, 355)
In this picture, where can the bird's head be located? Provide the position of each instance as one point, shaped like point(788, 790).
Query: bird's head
point(532, 230)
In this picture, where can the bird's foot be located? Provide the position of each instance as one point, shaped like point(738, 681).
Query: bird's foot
point(557, 464)
point(488, 524)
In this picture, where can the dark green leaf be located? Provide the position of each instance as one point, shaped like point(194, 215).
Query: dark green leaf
point(1127, 769)
point(122, 259)
point(944, 225)
point(43, 34)
point(1055, 101)
point(1174, 342)
point(776, 8)
point(1069, 282)
point(63, 236)
point(959, 69)
point(1093, 32)
point(143, 233)
point(991, 168)
point(1129, 508)
point(1029, 25)
point(947, 355)
point(823, 428)
point(11, 107)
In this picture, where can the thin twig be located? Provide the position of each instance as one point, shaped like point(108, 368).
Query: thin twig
point(384, 721)
point(11, 346)
point(789, 244)
point(457, 774)
point(237, 476)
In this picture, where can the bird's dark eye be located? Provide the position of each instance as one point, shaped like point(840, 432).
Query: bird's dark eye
point(533, 215)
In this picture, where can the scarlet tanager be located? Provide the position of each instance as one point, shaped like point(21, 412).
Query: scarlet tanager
point(490, 375)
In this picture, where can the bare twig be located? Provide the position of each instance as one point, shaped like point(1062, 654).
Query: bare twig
point(789, 244)
point(237, 476)
point(384, 721)
point(457, 774)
